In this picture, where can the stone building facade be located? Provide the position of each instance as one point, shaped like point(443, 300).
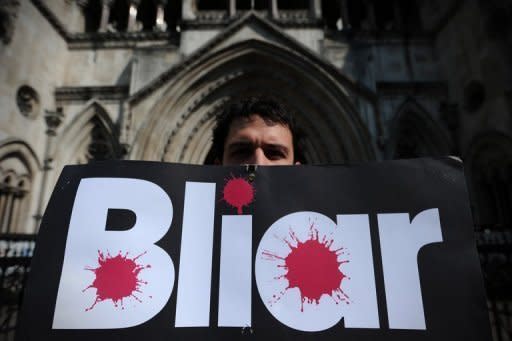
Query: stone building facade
point(85, 80)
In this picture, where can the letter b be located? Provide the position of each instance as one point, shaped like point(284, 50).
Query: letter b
point(87, 235)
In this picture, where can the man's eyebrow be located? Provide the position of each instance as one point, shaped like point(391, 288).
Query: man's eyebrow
point(239, 144)
point(277, 146)
point(244, 144)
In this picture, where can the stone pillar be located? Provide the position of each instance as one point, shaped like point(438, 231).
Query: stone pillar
point(132, 15)
point(274, 12)
point(105, 13)
point(160, 24)
point(232, 8)
point(345, 19)
point(53, 120)
point(188, 9)
point(17, 197)
point(3, 202)
point(315, 8)
point(7, 213)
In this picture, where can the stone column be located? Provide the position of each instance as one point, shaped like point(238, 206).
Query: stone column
point(232, 8)
point(274, 12)
point(16, 201)
point(345, 19)
point(53, 120)
point(188, 9)
point(160, 24)
point(105, 14)
point(7, 213)
point(315, 8)
point(132, 15)
point(3, 199)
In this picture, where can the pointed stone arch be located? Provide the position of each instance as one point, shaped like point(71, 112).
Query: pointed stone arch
point(19, 169)
point(91, 135)
point(415, 133)
point(488, 166)
point(178, 126)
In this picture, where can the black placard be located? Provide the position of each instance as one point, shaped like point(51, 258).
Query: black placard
point(298, 219)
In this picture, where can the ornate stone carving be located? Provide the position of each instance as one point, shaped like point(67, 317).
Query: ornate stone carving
point(294, 15)
point(211, 16)
point(28, 101)
point(53, 120)
point(8, 14)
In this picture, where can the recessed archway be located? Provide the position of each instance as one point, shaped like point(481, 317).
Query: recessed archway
point(415, 134)
point(178, 126)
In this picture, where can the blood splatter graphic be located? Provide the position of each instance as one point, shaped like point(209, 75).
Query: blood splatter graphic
point(238, 193)
point(311, 267)
point(116, 278)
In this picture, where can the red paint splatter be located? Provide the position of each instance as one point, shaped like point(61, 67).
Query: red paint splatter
point(311, 267)
point(116, 278)
point(238, 193)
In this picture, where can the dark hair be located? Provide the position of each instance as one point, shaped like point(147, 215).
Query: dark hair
point(270, 109)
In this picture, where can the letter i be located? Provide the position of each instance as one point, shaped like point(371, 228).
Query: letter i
point(235, 271)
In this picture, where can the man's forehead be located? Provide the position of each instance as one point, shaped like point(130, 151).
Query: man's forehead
point(254, 119)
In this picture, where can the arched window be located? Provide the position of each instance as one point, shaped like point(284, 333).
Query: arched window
point(92, 14)
point(215, 5)
point(172, 15)
point(261, 5)
point(244, 4)
point(17, 167)
point(146, 14)
point(101, 146)
point(118, 18)
point(358, 14)
point(331, 12)
point(414, 133)
point(91, 136)
point(293, 4)
point(489, 168)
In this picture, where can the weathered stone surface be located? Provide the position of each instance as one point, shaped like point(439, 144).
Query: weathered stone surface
point(359, 93)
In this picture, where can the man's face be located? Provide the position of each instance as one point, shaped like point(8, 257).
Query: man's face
point(253, 141)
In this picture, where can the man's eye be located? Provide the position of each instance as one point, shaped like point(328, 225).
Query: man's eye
point(275, 154)
point(241, 152)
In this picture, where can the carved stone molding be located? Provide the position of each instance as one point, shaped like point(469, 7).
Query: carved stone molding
point(53, 120)
point(104, 39)
point(120, 39)
point(28, 101)
point(85, 93)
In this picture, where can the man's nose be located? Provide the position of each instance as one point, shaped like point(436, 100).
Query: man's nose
point(259, 157)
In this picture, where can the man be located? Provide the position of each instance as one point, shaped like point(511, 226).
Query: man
point(256, 130)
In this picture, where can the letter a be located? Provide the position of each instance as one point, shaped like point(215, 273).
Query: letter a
point(345, 290)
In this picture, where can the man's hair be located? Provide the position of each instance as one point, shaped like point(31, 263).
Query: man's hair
point(270, 109)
